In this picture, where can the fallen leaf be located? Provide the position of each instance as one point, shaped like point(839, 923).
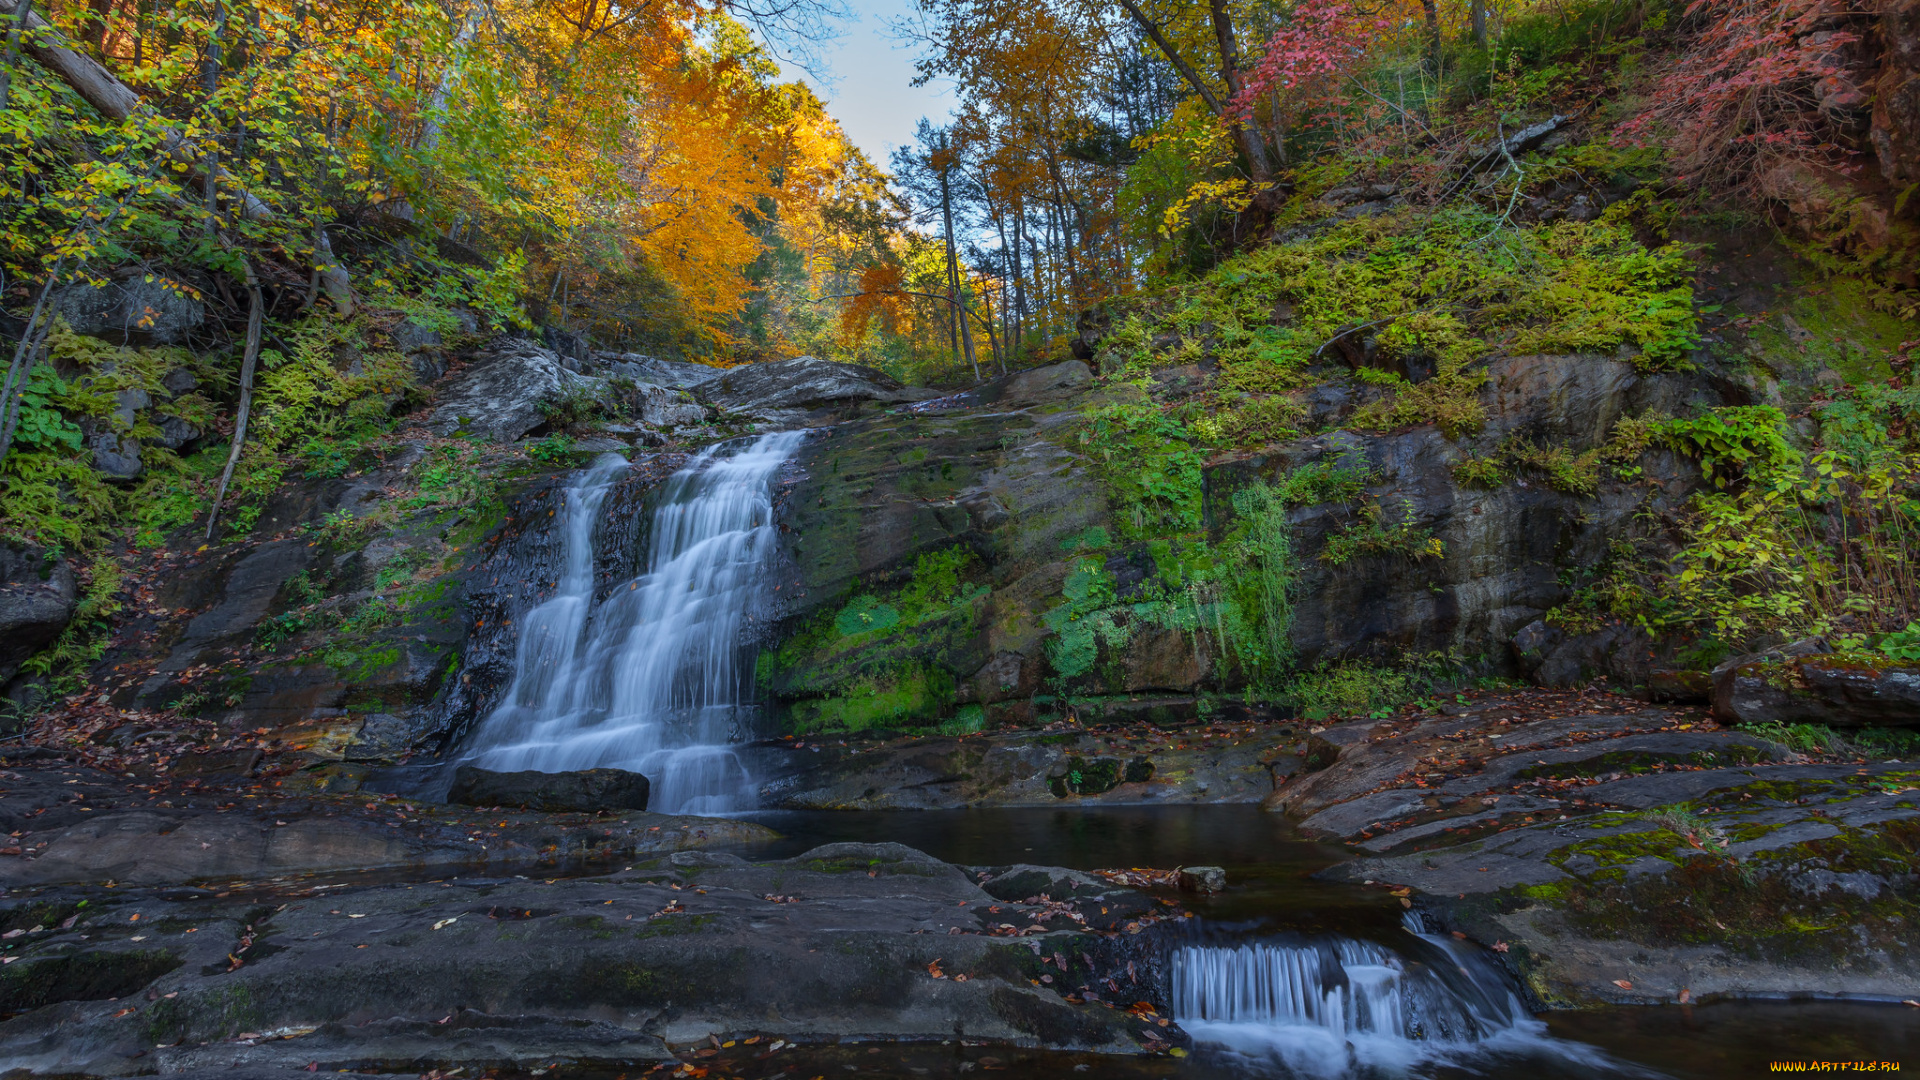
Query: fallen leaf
point(1623, 984)
point(1499, 946)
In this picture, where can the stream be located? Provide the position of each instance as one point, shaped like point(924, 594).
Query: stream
point(1280, 975)
point(1286, 976)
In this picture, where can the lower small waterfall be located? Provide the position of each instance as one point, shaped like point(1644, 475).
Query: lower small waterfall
point(655, 678)
point(1341, 1007)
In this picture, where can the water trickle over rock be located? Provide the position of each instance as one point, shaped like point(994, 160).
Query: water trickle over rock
point(657, 677)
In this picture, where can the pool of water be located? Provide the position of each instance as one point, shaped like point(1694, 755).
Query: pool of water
point(1305, 970)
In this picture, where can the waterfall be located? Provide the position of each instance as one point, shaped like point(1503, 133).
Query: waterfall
point(656, 678)
point(1341, 1007)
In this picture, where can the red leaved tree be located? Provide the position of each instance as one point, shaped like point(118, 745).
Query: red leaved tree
point(1757, 95)
point(1304, 70)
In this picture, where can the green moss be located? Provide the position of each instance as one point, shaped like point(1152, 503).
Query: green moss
point(218, 1014)
point(1441, 285)
point(358, 664)
point(1752, 907)
point(911, 696)
point(1635, 763)
point(1838, 323)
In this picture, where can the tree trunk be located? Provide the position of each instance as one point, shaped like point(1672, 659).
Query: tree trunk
point(13, 50)
point(15, 388)
point(117, 101)
point(1478, 15)
point(1248, 135)
point(1019, 332)
point(956, 299)
point(1244, 136)
point(993, 339)
point(256, 314)
point(1432, 10)
point(210, 85)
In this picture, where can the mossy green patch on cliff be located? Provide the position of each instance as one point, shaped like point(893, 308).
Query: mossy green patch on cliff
point(1440, 285)
point(883, 659)
point(910, 696)
point(1837, 323)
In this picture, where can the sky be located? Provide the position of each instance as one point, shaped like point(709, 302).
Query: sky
point(868, 83)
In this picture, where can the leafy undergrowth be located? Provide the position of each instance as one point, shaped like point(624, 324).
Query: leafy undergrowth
point(1858, 744)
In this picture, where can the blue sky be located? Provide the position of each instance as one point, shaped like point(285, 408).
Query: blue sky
point(870, 80)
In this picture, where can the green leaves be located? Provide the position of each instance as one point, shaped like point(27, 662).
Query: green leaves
point(1745, 441)
point(1151, 465)
point(41, 423)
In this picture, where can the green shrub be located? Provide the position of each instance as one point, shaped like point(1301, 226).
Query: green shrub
point(1373, 534)
point(1355, 688)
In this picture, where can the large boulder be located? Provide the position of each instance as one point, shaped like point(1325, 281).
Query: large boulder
point(1803, 683)
point(500, 395)
point(115, 456)
point(585, 791)
point(138, 311)
point(37, 596)
point(651, 371)
point(666, 408)
point(803, 383)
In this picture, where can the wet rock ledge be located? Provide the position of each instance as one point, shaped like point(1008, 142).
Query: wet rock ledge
point(1617, 852)
point(624, 966)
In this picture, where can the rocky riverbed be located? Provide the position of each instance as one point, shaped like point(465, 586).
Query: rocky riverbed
point(234, 928)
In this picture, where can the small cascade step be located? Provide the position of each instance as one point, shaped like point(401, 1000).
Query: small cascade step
point(655, 679)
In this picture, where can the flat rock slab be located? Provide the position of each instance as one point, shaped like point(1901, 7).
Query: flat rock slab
point(848, 941)
point(78, 826)
point(1622, 853)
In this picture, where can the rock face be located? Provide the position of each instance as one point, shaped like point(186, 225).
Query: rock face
point(998, 474)
point(586, 791)
point(115, 455)
point(1605, 840)
point(131, 312)
point(665, 409)
point(981, 477)
point(37, 597)
point(673, 374)
point(499, 396)
point(1139, 764)
point(1896, 99)
point(785, 389)
point(1504, 549)
point(1804, 684)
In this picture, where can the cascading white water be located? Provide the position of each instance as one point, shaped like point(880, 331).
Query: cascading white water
point(1338, 1007)
point(655, 679)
